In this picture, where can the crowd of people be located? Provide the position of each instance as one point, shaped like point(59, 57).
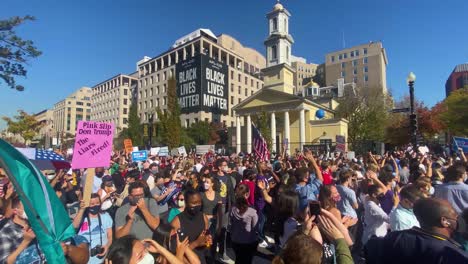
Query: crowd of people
point(401, 207)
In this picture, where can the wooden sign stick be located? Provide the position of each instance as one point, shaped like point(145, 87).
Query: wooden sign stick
point(88, 187)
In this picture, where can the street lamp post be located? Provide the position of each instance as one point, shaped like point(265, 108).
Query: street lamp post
point(150, 132)
point(413, 119)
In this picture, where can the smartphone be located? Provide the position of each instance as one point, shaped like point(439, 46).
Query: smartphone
point(314, 208)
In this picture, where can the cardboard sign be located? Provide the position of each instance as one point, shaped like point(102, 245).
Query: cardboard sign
point(139, 155)
point(93, 145)
point(154, 151)
point(203, 149)
point(128, 145)
point(350, 155)
point(182, 151)
point(340, 144)
point(163, 151)
point(174, 152)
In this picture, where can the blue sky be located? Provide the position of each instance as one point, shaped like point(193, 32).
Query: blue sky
point(87, 41)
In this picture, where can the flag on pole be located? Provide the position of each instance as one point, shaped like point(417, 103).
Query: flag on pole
point(460, 142)
point(46, 214)
point(259, 144)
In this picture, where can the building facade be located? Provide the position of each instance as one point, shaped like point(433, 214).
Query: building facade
point(243, 79)
point(293, 122)
point(458, 79)
point(46, 119)
point(111, 100)
point(72, 109)
point(304, 73)
point(365, 65)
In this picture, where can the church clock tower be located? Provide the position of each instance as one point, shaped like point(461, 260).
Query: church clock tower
point(278, 73)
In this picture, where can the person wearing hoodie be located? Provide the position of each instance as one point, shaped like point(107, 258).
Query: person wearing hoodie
point(244, 220)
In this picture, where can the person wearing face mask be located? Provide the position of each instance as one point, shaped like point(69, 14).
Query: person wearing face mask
point(96, 226)
point(138, 217)
point(347, 201)
point(180, 207)
point(75, 249)
point(99, 173)
point(212, 207)
point(455, 191)
point(429, 244)
point(386, 202)
point(226, 191)
point(131, 176)
point(15, 233)
point(402, 217)
point(193, 224)
point(328, 198)
point(375, 219)
point(160, 193)
point(151, 177)
point(130, 250)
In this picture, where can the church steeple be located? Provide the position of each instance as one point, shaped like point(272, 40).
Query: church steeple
point(279, 42)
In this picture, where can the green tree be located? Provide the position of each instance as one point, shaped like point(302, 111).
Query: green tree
point(134, 130)
point(367, 113)
point(200, 132)
point(23, 124)
point(14, 51)
point(169, 125)
point(456, 115)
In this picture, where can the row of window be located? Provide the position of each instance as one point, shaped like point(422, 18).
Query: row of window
point(246, 80)
point(355, 78)
point(150, 92)
point(105, 97)
point(364, 69)
point(352, 54)
point(150, 103)
point(151, 79)
point(355, 62)
point(108, 113)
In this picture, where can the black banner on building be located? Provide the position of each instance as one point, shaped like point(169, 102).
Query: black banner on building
point(202, 85)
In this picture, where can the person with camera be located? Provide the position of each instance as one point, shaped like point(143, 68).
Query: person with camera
point(96, 226)
point(138, 217)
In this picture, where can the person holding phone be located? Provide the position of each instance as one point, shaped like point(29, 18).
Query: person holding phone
point(192, 223)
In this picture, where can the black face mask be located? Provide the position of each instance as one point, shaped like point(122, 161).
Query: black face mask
point(94, 209)
point(134, 200)
point(193, 210)
point(100, 174)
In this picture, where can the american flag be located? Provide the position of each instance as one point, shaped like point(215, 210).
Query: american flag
point(48, 155)
point(259, 144)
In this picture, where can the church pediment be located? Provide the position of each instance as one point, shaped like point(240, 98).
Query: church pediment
point(268, 97)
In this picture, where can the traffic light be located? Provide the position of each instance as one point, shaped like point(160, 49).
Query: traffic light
point(413, 123)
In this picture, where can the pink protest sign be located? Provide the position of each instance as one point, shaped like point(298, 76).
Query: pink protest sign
point(93, 145)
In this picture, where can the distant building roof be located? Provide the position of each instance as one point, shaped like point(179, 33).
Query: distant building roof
point(461, 68)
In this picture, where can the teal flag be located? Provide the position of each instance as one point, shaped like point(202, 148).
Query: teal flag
point(46, 214)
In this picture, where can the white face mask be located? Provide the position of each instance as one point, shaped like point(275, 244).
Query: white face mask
point(431, 191)
point(147, 259)
point(24, 216)
point(393, 184)
point(50, 177)
point(181, 204)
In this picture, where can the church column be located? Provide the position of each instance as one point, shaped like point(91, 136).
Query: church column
point(287, 131)
point(301, 129)
point(273, 132)
point(248, 126)
point(238, 135)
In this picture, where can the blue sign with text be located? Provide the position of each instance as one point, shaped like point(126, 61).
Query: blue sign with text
point(139, 155)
